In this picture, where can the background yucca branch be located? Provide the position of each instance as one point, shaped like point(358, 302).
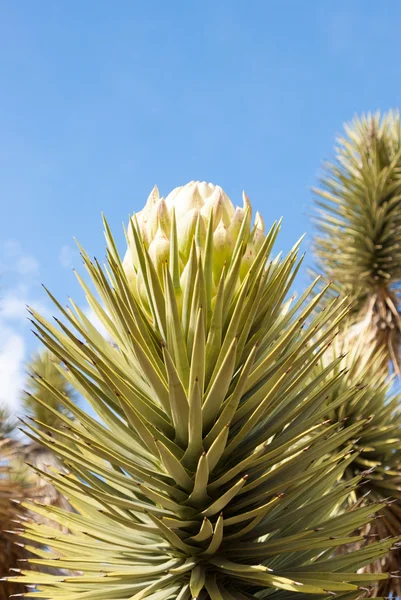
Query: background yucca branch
point(358, 218)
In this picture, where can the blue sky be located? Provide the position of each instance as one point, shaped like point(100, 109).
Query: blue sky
point(100, 100)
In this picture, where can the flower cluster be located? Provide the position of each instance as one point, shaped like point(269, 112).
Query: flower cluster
point(192, 209)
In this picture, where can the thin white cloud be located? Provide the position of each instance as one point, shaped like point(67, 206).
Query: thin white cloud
point(16, 260)
point(14, 306)
point(20, 287)
point(67, 256)
point(27, 265)
point(11, 248)
point(12, 355)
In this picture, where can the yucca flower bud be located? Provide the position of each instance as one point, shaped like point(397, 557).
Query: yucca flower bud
point(193, 209)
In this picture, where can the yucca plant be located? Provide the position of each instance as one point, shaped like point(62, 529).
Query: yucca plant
point(10, 491)
point(7, 424)
point(20, 462)
point(378, 445)
point(211, 472)
point(45, 410)
point(358, 245)
point(44, 365)
point(379, 442)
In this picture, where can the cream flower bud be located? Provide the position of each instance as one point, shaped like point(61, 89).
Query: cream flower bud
point(205, 189)
point(223, 245)
point(254, 244)
point(188, 198)
point(163, 217)
point(144, 215)
point(239, 215)
point(213, 204)
point(186, 228)
point(170, 199)
point(159, 250)
point(259, 233)
point(159, 217)
point(228, 209)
